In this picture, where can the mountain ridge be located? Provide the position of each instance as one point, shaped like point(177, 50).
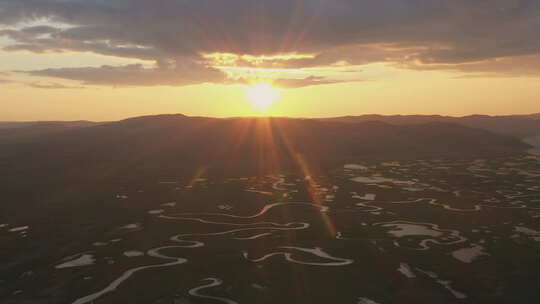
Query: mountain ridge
point(520, 126)
point(174, 147)
point(323, 140)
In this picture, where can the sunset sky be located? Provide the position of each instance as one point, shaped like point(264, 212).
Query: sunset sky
point(113, 59)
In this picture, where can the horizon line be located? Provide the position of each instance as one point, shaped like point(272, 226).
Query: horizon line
point(270, 116)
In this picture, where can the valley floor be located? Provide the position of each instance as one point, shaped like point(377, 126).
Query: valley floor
point(393, 232)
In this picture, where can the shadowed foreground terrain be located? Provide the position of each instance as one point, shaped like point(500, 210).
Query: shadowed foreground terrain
point(176, 209)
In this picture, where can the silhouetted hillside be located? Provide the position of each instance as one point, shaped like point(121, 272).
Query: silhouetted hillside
point(29, 130)
point(515, 125)
point(178, 145)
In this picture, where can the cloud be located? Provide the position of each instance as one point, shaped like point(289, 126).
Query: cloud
point(51, 85)
point(306, 82)
point(38, 85)
point(46, 39)
point(462, 35)
point(39, 30)
point(3, 79)
point(289, 83)
point(515, 66)
point(136, 75)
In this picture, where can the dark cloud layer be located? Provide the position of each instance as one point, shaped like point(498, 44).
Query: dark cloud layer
point(50, 85)
point(463, 35)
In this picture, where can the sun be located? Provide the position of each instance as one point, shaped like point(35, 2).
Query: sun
point(262, 96)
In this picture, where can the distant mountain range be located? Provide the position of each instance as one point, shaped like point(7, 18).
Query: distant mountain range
point(177, 143)
point(20, 130)
point(515, 125)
